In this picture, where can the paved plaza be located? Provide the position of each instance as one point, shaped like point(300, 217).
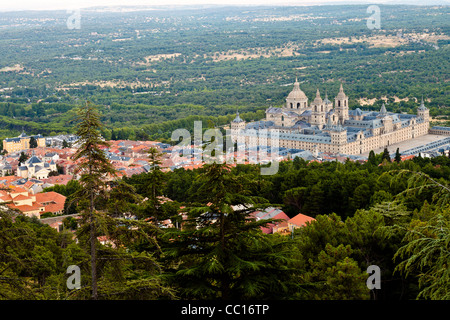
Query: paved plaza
point(409, 144)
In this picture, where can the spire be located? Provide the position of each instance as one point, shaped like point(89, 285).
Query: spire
point(383, 109)
point(341, 95)
point(237, 119)
point(326, 101)
point(422, 105)
point(318, 99)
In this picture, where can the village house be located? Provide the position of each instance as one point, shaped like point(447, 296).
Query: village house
point(32, 204)
point(35, 168)
point(288, 226)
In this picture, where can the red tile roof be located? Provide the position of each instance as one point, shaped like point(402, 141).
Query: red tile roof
point(301, 220)
point(21, 197)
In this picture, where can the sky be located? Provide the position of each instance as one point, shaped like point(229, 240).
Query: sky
point(19, 5)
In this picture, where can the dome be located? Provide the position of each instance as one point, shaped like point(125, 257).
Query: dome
point(297, 93)
point(237, 119)
point(422, 106)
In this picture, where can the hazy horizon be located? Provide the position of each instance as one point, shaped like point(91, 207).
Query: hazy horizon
point(27, 5)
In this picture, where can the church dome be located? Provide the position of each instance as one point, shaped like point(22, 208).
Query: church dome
point(237, 119)
point(297, 93)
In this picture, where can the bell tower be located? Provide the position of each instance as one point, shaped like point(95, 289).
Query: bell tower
point(318, 111)
point(341, 105)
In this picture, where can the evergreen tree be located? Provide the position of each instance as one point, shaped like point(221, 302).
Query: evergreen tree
point(23, 157)
point(372, 159)
point(221, 251)
point(427, 256)
point(120, 263)
point(94, 169)
point(386, 156)
point(398, 157)
point(154, 181)
point(65, 144)
point(335, 275)
point(33, 143)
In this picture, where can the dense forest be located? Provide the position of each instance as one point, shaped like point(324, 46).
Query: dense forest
point(149, 69)
point(395, 216)
point(384, 212)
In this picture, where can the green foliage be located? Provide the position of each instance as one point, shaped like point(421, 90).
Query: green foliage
point(33, 143)
point(427, 251)
point(335, 276)
point(23, 157)
point(221, 252)
point(150, 99)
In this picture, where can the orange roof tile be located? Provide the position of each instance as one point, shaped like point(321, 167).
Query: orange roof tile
point(25, 208)
point(21, 197)
point(18, 190)
point(301, 220)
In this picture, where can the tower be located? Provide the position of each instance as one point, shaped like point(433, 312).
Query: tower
point(341, 105)
point(236, 126)
point(318, 111)
point(297, 100)
point(423, 112)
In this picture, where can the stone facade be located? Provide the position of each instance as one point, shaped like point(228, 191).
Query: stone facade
point(35, 168)
point(323, 126)
point(21, 143)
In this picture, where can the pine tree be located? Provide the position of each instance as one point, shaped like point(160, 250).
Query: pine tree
point(386, 156)
point(23, 157)
point(125, 272)
point(221, 252)
point(94, 169)
point(372, 159)
point(33, 143)
point(398, 157)
point(154, 185)
point(427, 256)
